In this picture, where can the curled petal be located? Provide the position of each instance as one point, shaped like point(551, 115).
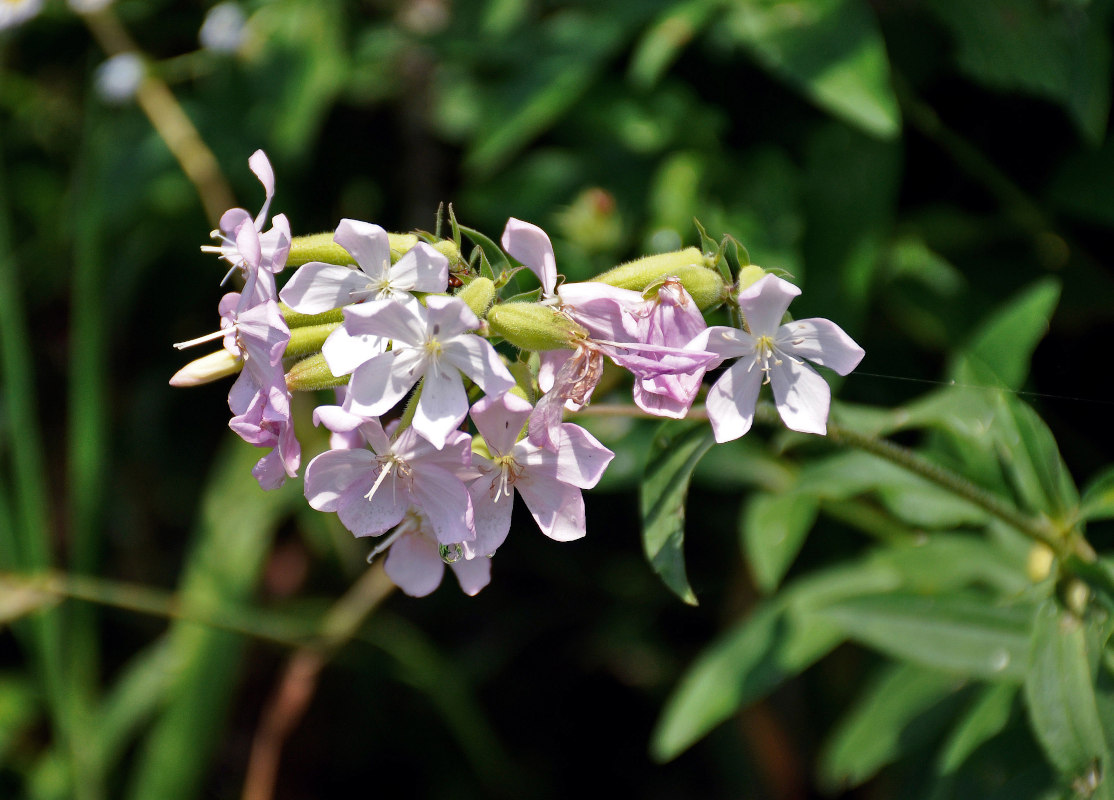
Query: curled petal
point(529, 245)
point(261, 166)
point(367, 243)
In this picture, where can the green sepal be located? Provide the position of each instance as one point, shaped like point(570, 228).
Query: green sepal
point(308, 339)
point(533, 326)
point(313, 373)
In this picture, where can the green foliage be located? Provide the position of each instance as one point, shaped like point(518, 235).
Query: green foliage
point(935, 177)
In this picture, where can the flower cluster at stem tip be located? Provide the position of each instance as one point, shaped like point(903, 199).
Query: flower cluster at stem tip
point(403, 323)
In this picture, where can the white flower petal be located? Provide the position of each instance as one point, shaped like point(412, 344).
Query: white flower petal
point(316, 287)
point(557, 507)
point(472, 574)
point(382, 512)
point(581, 459)
point(802, 397)
point(414, 564)
point(530, 245)
point(421, 269)
point(477, 359)
point(367, 243)
point(380, 382)
point(331, 473)
point(442, 405)
point(500, 419)
point(765, 302)
point(344, 352)
point(444, 501)
point(820, 341)
point(731, 401)
point(491, 514)
point(405, 323)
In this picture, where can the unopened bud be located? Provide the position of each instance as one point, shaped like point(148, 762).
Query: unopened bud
point(534, 326)
point(308, 339)
point(642, 272)
point(295, 320)
point(313, 373)
point(478, 294)
point(321, 247)
point(207, 369)
point(750, 275)
point(448, 248)
point(1039, 564)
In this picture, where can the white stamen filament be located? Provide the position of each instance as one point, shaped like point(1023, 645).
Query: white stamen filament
point(202, 339)
point(383, 545)
point(388, 465)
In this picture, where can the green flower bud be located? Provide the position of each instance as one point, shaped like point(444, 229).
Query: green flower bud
point(533, 326)
point(642, 272)
point(750, 275)
point(313, 373)
point(478, 294)
point(321, 247)
point(296, 320)
point(308, 339)
point(704, 285)
point(207, 369)
point(448, 248)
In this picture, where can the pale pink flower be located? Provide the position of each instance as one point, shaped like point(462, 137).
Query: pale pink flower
point(769, 352)
point(430, 342)
point(318, 287)
point(416, 560)
point(549, 482)
point(246, 246)
point(371, 490)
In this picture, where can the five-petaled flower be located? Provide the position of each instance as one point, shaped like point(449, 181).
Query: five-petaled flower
point(773, 353)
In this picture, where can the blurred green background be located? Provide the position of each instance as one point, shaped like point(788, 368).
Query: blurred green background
point(912, 163)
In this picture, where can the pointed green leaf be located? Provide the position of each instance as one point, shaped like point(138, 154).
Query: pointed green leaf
point(831, 50)
point(1098, 497)
point(675, 451)
point(1005, 341)
point(984, 720)
point(781, 637)
point(961, 634)
point(773, 529)
point(667, 37)
point(901, 712)
point(1060, 694)
point(1031, 460)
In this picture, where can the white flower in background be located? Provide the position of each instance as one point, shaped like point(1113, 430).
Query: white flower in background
point(88, 6)
point(117, 79)
point(224, 28)
point(16, 12)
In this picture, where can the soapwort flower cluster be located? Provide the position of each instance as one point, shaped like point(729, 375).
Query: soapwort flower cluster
point(451, 399)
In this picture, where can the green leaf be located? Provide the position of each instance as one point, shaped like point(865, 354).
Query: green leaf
point(1005, 341)
point(1098, 497)
point(831, 50)
point(1056, 50)
point(565, 62)
point(1060, 694)
point(901, 712)
point(984, 720)
point(230, 545)
point(781, 637)
point(666, 38)
point(773, 528)
point(961, 634)
point(675, 451)
point(18, 709)
point(1031, 460)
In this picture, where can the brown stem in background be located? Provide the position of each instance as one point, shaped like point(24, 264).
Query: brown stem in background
point(295, 688)
point(169, 120)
